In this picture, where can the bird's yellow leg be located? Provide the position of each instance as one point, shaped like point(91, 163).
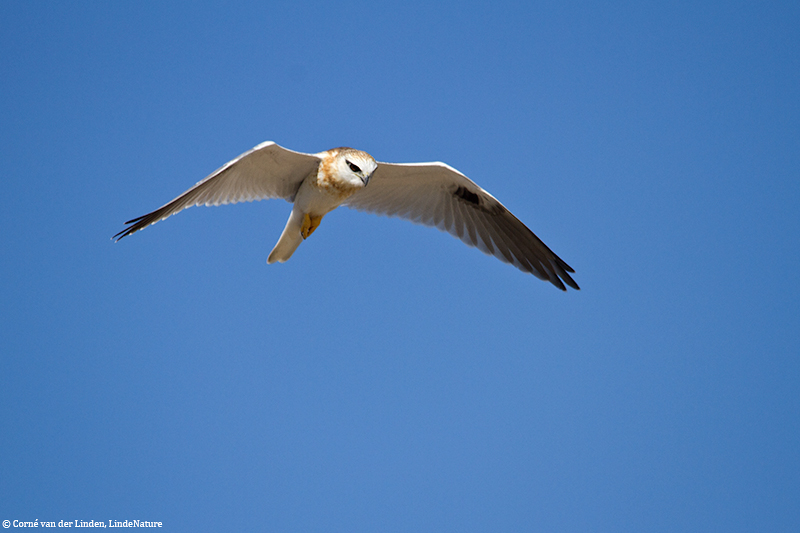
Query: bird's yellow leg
point(309, 225)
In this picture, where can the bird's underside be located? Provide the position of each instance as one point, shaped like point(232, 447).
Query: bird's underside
point(433, 194)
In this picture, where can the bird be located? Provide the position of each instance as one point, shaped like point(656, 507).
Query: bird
point(433, 194)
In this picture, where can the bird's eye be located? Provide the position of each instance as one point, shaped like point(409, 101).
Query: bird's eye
point(353, 167)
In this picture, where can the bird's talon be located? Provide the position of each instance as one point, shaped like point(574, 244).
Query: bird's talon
point(309, 225)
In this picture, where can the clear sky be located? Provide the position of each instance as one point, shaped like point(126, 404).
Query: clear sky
point(388, 377)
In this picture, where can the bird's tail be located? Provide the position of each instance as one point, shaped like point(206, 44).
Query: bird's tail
point(290, 239)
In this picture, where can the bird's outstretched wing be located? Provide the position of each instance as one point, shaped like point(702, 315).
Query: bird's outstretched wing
point(266, 171)
point(437, 195)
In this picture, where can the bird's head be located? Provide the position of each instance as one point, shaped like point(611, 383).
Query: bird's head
point(355, 166)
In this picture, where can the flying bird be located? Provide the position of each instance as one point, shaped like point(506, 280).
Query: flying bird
point(433, 194)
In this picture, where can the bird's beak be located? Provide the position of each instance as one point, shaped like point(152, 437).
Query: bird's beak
point(365, 179)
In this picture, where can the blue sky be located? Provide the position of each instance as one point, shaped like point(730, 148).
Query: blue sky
point(387, 377)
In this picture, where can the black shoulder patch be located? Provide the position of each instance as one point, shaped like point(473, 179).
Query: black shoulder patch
point(485, 204)
point(467, 195)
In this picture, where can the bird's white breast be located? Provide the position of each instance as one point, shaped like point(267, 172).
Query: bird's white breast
point(325, 190)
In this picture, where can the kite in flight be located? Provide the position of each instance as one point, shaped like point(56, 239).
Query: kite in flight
point(433, 194)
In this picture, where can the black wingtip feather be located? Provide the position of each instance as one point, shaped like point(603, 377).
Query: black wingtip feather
point(137, 219)
point(134, 225)
point(561, 267)
point(121, 234)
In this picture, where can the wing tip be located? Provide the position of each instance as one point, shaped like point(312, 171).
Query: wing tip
point(561, 268)
point(134, 225)
point(124, 233)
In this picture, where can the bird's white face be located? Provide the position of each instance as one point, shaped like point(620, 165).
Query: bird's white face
point(354, 166)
